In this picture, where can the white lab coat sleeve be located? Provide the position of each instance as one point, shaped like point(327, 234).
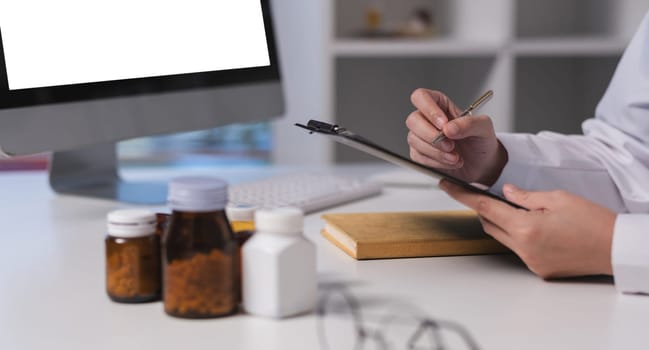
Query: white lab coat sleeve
point(625, 106)
point(549, 161)
point(630, 253)
point(609, 164)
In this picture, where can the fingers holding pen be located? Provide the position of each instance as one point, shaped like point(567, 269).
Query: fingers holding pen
point(423, 152)
point(421, 127)
point(441, 155)
point(435, 107)
point(475, 126)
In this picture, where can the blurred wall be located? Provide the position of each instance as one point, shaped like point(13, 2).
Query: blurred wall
point(300, 35)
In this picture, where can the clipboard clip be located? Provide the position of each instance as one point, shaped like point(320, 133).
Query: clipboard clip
point(318, 126)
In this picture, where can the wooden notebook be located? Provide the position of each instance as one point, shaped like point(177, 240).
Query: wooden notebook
point(409, 234)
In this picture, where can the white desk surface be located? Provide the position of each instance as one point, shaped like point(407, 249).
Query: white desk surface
point(52, 287)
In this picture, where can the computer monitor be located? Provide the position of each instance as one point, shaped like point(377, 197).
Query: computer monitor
point(77, 76)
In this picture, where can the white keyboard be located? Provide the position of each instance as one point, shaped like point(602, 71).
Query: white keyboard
point(309, 192)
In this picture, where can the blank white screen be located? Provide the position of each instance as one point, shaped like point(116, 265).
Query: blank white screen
point(62, 42)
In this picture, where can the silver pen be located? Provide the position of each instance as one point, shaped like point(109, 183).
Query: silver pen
point(477, 103)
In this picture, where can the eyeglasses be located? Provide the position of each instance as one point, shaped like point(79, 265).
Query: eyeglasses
point(341, 326)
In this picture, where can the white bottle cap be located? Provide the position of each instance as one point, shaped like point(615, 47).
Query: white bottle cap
point(288, 220)
point(197, 194)
point(240, 212)
point(131, 223)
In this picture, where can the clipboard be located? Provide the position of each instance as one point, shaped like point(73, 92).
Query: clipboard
point(351, 139)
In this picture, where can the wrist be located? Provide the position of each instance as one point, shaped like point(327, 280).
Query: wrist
point(496, 165)
point(606, 265)
point(599, 258)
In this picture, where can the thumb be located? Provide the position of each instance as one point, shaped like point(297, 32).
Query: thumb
point(461, 128)
point(528, 199)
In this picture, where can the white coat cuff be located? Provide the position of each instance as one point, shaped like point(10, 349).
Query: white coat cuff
point(630, 253)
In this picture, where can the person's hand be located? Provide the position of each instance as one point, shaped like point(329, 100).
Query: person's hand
point(472, 152)
point(562, 235)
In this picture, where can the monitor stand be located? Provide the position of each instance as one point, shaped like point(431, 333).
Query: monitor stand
point(92, 172)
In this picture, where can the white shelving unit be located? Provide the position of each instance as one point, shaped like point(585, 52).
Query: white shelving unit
point(411, 48)
point(548, 62)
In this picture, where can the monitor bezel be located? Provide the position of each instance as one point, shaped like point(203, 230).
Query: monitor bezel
point(140, 86)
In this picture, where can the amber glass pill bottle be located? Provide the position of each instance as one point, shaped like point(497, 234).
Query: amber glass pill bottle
point(132, 257)
point(199, 252)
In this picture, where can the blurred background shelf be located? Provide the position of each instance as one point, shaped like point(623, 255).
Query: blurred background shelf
point(412, 47)
point(548, 62)
point(569, 46)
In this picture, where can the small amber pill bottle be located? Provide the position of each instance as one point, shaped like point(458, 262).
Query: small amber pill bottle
point(199, 252)
point(133, 270)
point(242, 220)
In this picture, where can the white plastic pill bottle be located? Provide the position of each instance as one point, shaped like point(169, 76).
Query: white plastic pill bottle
point(279, 266)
